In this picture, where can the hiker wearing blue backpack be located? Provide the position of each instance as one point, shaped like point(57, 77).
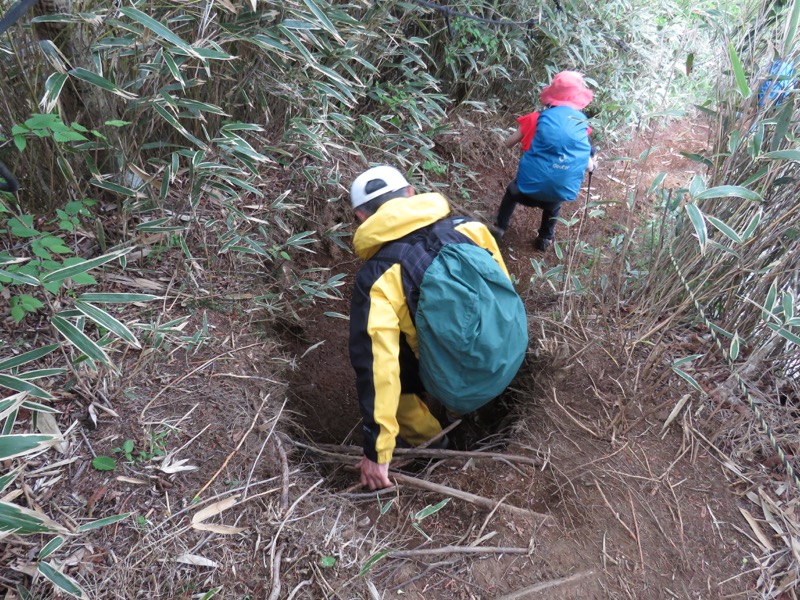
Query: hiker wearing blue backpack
point(555, 154)
point(433, 309)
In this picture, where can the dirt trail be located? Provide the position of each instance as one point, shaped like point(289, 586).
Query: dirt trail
point(638, 513)
point(637, 510)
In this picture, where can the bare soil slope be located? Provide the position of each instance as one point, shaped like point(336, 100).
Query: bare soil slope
point(594, 497)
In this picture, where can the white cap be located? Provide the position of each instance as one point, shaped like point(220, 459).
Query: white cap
point(390, 178)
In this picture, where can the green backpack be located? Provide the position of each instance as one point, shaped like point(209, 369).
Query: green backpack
point(471, 324)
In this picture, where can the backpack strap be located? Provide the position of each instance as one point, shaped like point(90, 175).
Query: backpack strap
point(415, 253)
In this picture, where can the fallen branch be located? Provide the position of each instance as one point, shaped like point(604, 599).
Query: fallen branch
point(467, 497)
point(335, 450)
point(276, 575)
point(545, 585)
point(457, 550)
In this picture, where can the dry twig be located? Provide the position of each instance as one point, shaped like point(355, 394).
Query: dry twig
point(235, 450)
point(468, 497)
point(545, 585)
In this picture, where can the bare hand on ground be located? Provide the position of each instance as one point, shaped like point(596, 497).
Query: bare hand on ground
point(374, 475)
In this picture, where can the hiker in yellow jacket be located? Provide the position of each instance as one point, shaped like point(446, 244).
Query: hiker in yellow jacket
point(383, 338)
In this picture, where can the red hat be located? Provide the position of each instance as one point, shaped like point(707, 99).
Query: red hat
point(567, 89)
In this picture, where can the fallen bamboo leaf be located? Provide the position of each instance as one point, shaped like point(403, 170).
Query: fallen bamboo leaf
point(196, 559)
point(177, 466)
point(221, 529)
point(124, 479)
point(757, 530)
point(675, 411)
point(214, 509)
point(46, 423)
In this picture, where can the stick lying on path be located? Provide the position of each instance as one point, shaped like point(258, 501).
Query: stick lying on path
point(346, 452)
point(468, 497)
point(545, 585)
point(457, 550)
point(425, 453)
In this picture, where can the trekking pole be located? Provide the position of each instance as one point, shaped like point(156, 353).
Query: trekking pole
point(588, 188)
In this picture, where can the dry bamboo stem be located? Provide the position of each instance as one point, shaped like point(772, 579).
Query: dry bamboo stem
point(334, 449)
point(468, 497)
point(545, 585)
point(457, 550)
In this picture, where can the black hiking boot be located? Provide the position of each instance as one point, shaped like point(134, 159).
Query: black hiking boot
point(497, 232)
point(542, 243)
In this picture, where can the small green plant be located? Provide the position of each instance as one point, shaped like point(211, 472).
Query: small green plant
point(104, 463)
point(419, 516)
point(126, 450)
point(156, 447)
point(327, 561)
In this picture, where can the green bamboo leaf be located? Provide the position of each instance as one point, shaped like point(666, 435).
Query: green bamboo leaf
point(769, 304)
point(729, 191)
point(8, 478)
point(61, 581)
point(174, 69)
point(80, 340)
point(788, 305)
point(20, 277)
point(177, 126)
point(782, 155)
point(27, 357)
point(20, 385)
point(114, 297)
point(113, 187)
point(20, 444)
point(791, 29)
point(269, 43)
point(51, 547)
point(83, 267)
point(201, 106)
point(52, 91)
point(101, 82)
point(734, 351)
point(691, 380)
point(753, 225)
point(724, 229)
point(102, 318)
point(686, 359)
point(24, 521)
point(430, 510)
point(784, 333)
point(738, 72)
point(696, 186)
point(656, 182)
point(103, 522)
point(323, 19)
point(40, 374)
point(699, 224)
point(782, 124)
point(36, 407)
point(159, 29)
point(372, 560)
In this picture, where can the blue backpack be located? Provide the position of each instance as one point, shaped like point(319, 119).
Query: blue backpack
point(552, 168)
point(471, 324)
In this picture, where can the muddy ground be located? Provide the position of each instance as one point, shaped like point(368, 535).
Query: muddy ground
point(624, 506)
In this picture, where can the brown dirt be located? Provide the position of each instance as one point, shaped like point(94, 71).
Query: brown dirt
point(648, 515)
point(636, 512)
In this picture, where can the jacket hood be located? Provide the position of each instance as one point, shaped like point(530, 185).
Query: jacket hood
point(396, 218)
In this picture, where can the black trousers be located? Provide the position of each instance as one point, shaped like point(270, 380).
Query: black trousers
point(513, 196)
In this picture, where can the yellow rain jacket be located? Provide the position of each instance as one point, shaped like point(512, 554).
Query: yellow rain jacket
point(383, 339)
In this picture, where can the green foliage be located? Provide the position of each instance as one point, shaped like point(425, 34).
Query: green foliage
point(104, 463)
